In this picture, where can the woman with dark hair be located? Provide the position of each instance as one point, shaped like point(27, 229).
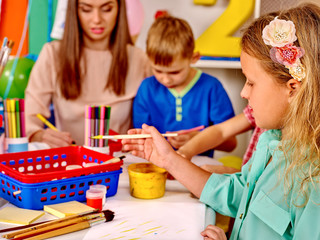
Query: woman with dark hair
point(95, 63)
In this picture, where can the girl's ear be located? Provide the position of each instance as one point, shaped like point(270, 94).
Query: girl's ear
point(293, 86)
point(195, 57)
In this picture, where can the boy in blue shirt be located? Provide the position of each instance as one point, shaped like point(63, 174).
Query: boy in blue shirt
point(178, 96)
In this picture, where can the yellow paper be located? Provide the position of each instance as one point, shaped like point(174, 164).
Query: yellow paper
point(19, 215)
point(67, 209)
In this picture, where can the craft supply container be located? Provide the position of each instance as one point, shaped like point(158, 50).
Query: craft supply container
point(37, 178)
point(147, 181)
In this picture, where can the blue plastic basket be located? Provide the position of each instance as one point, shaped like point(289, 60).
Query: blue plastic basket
point(35, 196)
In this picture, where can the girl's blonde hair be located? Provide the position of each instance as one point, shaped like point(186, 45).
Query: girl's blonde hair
point(169, 38)
point(71, 47)
point(301, 142)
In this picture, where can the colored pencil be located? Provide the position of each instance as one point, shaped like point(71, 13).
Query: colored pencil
point(191, 130)
point(6, 122)
point(107, 123)
point(22, 121)
point(9, 118)
point(49, 125)
point(132, 136)
point(86, 126)
point(92, 116)
point(46, 122)
point(13, 117)
point(17, 114)
point(96, 125)
point(102, 123)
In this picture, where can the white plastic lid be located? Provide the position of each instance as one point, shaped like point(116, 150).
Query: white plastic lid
point(99, 187)
point(92, 193)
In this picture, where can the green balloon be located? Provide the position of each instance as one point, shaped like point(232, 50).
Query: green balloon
point(20, 77)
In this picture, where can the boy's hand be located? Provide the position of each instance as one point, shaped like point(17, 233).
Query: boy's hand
point(213, 233)
point(155, 149)
point(181, 139)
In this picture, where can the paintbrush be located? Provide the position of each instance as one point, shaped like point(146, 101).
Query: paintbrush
point(4, 54)
point(64, 230)
point(114, 160)
point(27, 228)
point(106, 216)
point(131, 136)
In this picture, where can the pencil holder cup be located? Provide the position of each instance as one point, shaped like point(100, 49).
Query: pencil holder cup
point(147, 181)
point(16, 144)
point(2, 143)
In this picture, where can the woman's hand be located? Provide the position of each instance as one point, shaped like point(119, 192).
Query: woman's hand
point(181, 139)
point(213, 233)
point(155, 149)
point(53, 138)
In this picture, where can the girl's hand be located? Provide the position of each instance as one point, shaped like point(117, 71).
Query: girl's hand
point(213, 233)
point(182, 139)
point(53, 138)
point(155, 149)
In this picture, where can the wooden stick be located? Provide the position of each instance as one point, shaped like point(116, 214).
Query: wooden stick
point(22, 227)
point(132, 136)
point(58, 225)
point(67, 229)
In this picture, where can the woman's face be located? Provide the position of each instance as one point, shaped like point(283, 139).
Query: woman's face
point(269, 100)
point(97, 19)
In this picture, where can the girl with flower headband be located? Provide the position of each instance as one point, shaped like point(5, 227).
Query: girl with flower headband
point(277, 193)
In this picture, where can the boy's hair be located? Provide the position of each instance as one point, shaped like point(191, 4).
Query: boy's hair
point(70, 72)
point(301, 140)
point(169, 38)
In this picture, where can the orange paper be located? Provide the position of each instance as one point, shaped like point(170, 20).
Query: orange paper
point(13, 15)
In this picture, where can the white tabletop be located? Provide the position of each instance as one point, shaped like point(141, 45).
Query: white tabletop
point(177, 215)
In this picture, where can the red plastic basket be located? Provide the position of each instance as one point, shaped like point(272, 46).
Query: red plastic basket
point(114, 145)
point(50, 164)
point(36, 195)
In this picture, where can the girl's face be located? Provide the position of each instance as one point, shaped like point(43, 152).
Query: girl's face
point(268, 99)
point(97, 19)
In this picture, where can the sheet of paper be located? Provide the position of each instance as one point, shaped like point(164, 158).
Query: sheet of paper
point(164, 220)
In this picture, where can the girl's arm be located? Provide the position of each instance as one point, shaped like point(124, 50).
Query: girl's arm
point(158, 151)
point(215, 136)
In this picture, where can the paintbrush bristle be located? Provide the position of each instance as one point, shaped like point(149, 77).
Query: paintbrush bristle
point(109, 215)
point(10, 44)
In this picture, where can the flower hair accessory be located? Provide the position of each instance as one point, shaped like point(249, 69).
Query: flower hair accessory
point(281, 34)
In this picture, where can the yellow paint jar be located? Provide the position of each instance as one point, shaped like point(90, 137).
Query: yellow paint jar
point(147, 181)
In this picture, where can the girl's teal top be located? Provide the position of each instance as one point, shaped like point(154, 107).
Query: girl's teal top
point(256, 198)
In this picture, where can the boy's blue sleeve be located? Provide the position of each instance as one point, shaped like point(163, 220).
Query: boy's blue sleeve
point(141, 111)
point(221, 107)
